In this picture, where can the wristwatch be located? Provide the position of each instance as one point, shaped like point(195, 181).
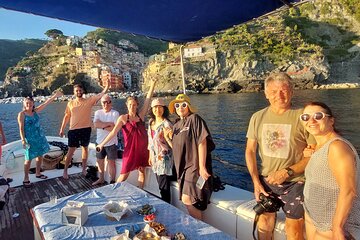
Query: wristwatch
point(290, 172)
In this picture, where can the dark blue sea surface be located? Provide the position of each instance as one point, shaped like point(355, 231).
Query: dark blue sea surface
point(227, 116)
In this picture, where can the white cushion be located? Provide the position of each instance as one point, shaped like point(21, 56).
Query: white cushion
point(230, 198)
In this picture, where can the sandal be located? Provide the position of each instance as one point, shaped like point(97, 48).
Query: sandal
point(42, 176)
point(27, 184)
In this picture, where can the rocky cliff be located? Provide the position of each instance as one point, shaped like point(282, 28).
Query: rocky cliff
point(317, 43)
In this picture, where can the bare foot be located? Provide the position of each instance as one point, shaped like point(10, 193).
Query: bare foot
point(99, 181)
point(84, 172)
point(65, 176)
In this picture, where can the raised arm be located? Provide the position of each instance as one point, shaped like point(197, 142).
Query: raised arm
point(146, 105)
point(2, 135)
point(105, 89)
point(342, 165)
point(48, 101)
point(119, 123)
point(20, 118)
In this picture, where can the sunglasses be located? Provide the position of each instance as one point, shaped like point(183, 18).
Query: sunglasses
point(316, 116)
point(106, 102)
point(183, 105)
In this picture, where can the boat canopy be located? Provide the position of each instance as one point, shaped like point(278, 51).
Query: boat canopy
point(170, 20)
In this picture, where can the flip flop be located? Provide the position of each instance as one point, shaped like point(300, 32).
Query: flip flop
point(27, 184)
point(42, 176)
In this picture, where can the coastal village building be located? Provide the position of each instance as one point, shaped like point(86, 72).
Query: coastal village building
point(116, 81)
point(78, 51)
point(127, 80)
point(72, 40)
point(193, 51)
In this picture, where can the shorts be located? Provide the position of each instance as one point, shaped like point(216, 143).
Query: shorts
point(200, 197)
point(291, 194)
point(109, 151)
point(79, 137)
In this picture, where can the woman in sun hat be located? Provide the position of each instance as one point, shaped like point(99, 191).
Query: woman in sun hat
point(192, 144)
point(160, 153)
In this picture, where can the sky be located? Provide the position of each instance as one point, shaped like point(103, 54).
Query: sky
point(16, 25)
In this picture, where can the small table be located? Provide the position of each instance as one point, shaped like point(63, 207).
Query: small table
point(47, 216)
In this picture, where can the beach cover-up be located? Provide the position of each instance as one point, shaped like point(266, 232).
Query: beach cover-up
point(135, 153)
point(35, 137)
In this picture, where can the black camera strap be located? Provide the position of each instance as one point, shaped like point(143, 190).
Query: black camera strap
point(256, 219)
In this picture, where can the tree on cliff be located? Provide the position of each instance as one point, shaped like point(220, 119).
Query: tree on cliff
point(53, 33)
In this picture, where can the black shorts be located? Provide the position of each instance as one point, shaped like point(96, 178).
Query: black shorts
point(79, 137)
point(291, 194)
point(109, 151)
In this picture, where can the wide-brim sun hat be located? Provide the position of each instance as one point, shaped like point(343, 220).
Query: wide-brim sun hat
point(158, 102)
point(179, 99)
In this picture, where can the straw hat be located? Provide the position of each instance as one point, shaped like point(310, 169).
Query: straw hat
point(179, 99)
point(158, 102)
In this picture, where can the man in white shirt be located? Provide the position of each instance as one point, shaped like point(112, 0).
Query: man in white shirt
point(104, 122)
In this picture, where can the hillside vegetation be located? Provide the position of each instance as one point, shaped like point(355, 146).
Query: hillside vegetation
point(317, 42)
point(146, 45)
point(12, 51)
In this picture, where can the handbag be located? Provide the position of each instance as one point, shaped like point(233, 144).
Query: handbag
point(51, 162)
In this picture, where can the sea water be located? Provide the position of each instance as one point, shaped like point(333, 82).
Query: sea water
point(227, 116)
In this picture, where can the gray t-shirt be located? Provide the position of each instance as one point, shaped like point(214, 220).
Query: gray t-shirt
point(281, 139)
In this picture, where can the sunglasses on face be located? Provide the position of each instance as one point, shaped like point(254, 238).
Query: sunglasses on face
point(316, 116)
point(106, 102)
point(183, 105)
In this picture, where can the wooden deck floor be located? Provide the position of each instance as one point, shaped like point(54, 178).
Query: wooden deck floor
point(23, 199)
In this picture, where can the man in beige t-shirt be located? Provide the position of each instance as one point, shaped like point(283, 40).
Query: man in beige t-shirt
point(281, 138)
point(78, 113)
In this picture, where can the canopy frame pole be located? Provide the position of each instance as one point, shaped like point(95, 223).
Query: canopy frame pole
point(182, 69)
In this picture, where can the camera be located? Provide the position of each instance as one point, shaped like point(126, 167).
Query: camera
point(267, 204)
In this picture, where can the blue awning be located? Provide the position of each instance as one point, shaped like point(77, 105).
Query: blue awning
point(170, 20)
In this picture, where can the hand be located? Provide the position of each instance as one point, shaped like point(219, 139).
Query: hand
point(61, 133)
point(25, 144)
point(204, 173)
point(58, 94)
point(168, 133)
point(308, 151)
point(153, 80)
point(338, 233)
point(259, 189)
point(99, 148)
point(277, 177)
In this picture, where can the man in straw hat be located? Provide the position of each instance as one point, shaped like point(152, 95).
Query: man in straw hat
point(192, 145)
